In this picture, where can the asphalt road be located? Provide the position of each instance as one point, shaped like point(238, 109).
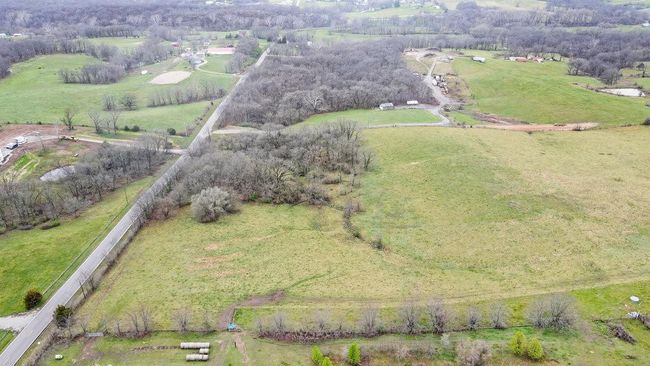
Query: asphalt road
point(17, 348)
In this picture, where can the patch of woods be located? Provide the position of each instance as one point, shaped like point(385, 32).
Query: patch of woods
point(297, 81)
point(117, 63)
point(277, 167)
point(25, 204)
point(246, 52)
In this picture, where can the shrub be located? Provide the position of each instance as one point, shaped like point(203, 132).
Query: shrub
point(135, 128)
point(646, 122)
point(32, 299)
point(354, 354)
point(556, 312)
point(377, 243)
point(476, 353)
point(316, 355)
point(518, 344)
point(50, 225)
point(534, 350)
point(500, 316)
point(62, 316)
point(127, 129)
point(171, 131)
point(326, 362)
point(473, 318)
point(210, 204)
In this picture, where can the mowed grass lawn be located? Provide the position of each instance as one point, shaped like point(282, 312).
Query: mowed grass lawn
point(544, 93)
point(464, 214)
point(373, 117)
point(35, 93)
point(216, 63)
point(35, 258)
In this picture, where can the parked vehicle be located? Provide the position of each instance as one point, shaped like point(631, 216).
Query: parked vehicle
point(21, 140)
point(12, 145)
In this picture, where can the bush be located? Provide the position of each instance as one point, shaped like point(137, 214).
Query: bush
point(50, 225)
point(476, 353)
point(32, 299)
point(171, 132)
point(534, 350)
point(316, 355)
point(135, 128)
point(62, 316)
point(127, 129)
point(621, 333)
point(473, 318)
point(354, 354)
point(326, 362)
point(210, 204)
point(518, 344)
point(646, 122)
point(555, 312)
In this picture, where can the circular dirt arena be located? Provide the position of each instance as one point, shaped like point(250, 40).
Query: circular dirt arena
point(172, 77)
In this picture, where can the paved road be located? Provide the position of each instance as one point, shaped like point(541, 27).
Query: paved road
point(15, 350)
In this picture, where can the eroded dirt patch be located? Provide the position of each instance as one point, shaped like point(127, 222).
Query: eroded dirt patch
point(226, 317)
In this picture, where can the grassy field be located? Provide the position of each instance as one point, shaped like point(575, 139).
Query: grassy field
point(35, 93)
point(5, 339)
point(483, 215)
point(373, 117)
point(216, 63)
point(34, 258)
point(510, 89)
point(507, 4)
point(120, 42)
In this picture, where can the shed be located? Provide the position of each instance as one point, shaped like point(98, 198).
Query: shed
point(3, 35)
point(412, 102)
point(479, 59)
point(386, 106)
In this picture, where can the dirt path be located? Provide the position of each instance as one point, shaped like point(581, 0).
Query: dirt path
point(16, 322)
point(241, 347)
point(442, 98)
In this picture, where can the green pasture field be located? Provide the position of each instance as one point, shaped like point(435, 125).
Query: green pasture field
point(373, 117)
point(34, 258)
point(544, 93)
point(465, 214)
point(216, 63)
point(35, 93)
point(402, 11)
point(507, 4)
point(120, 42)
point(5, 338)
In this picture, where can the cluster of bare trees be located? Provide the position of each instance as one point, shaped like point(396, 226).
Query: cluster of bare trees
point(93, 74)
point(553, 312)
point(127, 18)
point(26, 203)
point(247, 50)
point(286, 90)
point(205, 90)
point(274, 167)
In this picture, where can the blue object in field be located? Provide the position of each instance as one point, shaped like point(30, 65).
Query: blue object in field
point(232, 327)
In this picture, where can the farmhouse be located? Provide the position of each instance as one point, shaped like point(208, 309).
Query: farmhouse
point(386, 106)
point(479, 59)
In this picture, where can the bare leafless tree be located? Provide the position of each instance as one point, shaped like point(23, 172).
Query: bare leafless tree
point(68, 118)
point(439, 316)
point(114, 117)
point(473, 318)
point(500, 316)
point(97, 120)
point(182, 319)
point(410, 316)
point(370, 321)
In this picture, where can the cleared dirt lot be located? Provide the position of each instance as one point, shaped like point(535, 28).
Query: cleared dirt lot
point(172, 77)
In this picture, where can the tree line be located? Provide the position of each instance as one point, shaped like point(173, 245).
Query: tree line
point(294, 83)
point(205, 90)
point(246, 51)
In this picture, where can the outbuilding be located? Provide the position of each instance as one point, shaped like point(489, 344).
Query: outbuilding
point(386, 106)
point(412, 102)
point(479, 59)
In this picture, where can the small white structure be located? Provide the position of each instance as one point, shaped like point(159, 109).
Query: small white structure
point(3, 35)
point(646, 24)
point(204, 351)
point(17, 35)
point(144, 72)
point(20, 140)
point(196, 357)
point(386, 106)
point(635, 299)
point(58, 357)
point(195, 345)
point(479, 59)
point(412, 102)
